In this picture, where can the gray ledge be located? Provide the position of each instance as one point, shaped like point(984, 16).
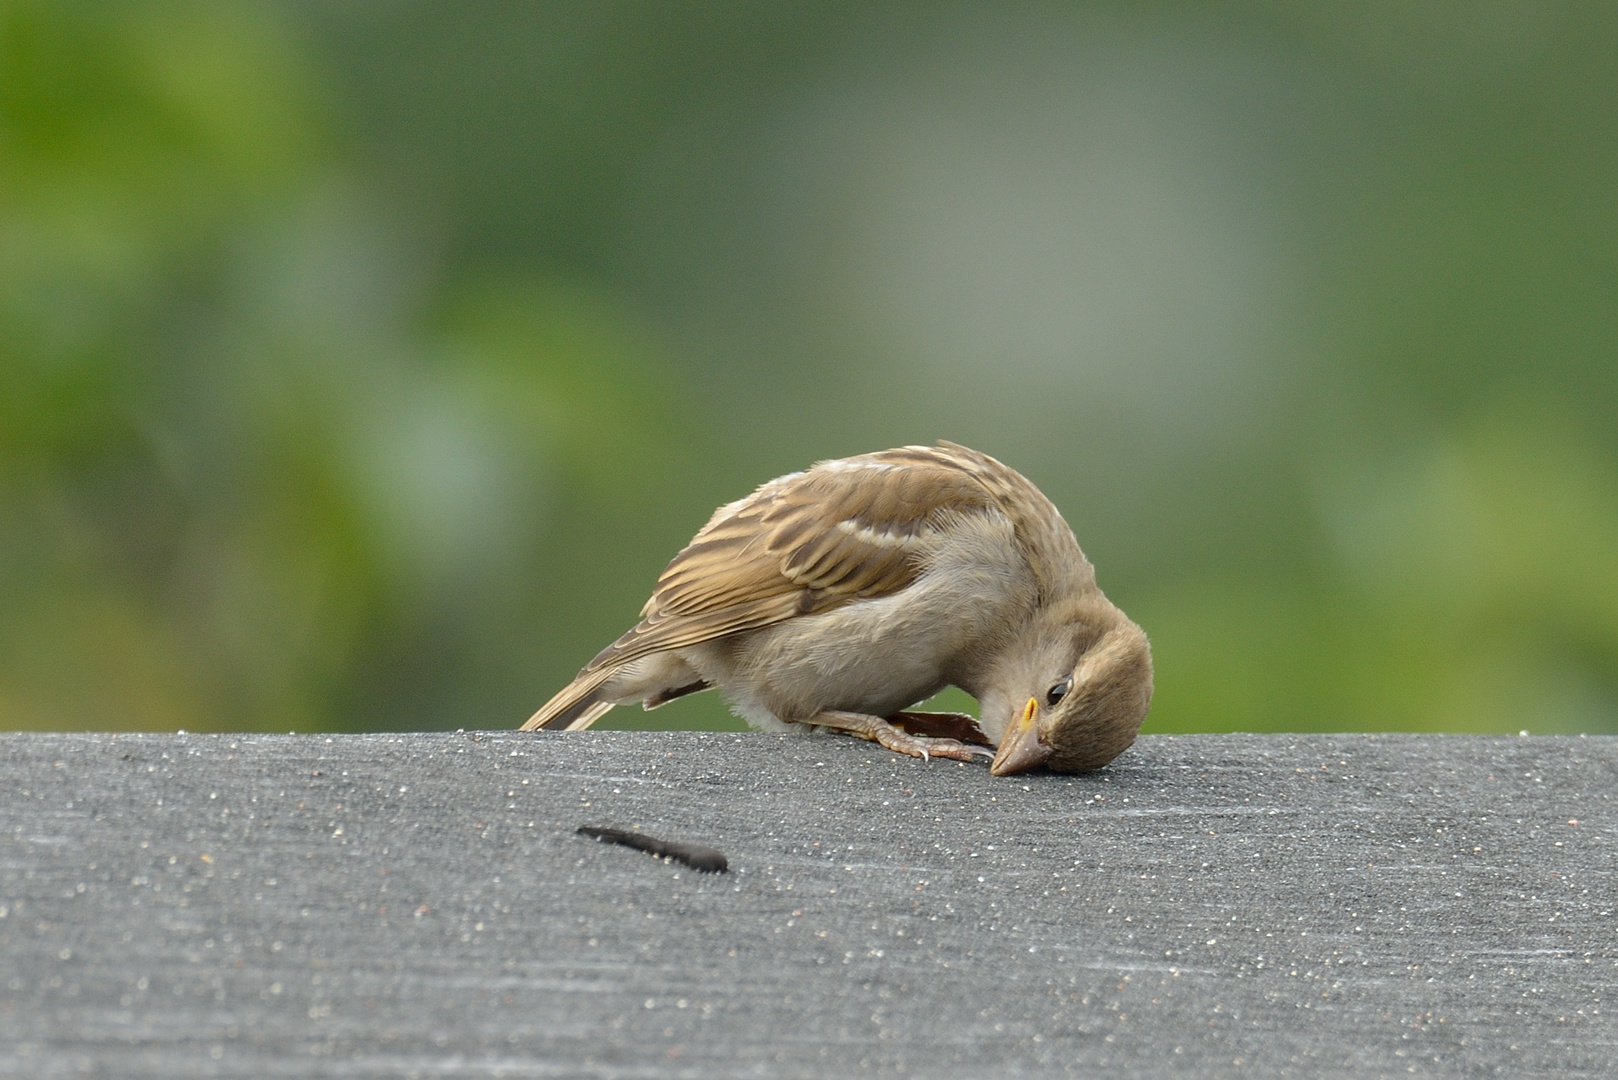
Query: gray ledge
point(420, 906)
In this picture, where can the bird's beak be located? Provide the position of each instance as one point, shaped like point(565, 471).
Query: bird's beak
point(1022, 748)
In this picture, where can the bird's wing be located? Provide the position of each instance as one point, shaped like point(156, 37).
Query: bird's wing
point(809, 542)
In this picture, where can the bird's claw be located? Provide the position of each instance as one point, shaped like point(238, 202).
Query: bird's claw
point(880, 731)
point(927, 749)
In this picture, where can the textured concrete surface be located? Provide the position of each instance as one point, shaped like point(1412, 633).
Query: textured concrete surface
point(420, 906)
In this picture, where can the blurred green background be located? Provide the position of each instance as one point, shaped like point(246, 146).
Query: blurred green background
point(362, 364)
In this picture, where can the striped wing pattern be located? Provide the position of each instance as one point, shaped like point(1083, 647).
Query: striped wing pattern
point(803, 544)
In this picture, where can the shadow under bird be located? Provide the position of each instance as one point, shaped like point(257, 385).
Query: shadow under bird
point(839, 596)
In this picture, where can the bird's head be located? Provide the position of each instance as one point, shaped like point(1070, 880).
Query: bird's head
point(1070, 697)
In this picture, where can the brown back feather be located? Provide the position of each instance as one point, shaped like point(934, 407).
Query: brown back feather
point(806, 543)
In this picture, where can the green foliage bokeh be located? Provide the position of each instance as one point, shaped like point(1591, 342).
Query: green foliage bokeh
point(360, 366)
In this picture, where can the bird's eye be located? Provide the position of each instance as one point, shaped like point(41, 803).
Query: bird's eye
point(1059, 691)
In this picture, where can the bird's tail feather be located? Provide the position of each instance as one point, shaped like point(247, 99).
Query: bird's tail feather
point(575, 707)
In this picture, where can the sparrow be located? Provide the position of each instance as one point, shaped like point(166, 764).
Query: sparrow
point(838, 596)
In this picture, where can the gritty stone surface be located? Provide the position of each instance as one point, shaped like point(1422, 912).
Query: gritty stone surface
point(420, 906)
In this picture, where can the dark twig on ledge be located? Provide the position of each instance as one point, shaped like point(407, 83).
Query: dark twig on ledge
point(696, 856)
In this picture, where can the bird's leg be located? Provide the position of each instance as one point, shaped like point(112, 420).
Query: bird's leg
point(878, 730)
point(941, 725)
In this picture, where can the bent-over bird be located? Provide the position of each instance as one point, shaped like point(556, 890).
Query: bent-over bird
point(838, 596)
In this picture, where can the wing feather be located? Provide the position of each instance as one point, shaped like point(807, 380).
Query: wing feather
point(808, 542)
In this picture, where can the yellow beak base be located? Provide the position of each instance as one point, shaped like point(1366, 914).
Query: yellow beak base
point(1022, 748)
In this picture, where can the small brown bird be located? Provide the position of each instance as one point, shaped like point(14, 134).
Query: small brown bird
point(838, 596)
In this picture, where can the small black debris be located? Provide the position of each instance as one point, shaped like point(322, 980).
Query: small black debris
point(696, 856)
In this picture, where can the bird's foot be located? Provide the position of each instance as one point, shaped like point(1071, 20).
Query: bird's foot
point(877, 730)
point(952, 748)
point(942, 725)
